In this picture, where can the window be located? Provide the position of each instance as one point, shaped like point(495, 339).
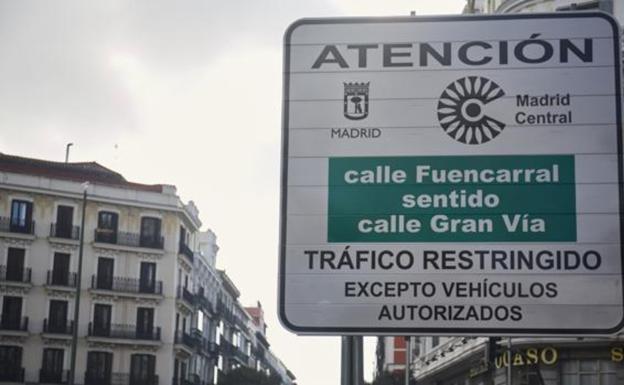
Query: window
point(105, 269)
point(147, 281)
point(142, 368)
point(176, 370)
point(107, 227)
point(588, 372)
point(102, 320)
point(183, 236)
point(15, 265)
point(150, 232)
point(11, 364)
point(21, 216)
point(99, 368)
point(145, 323)
point(57, 317)
point(11, 313)
point(64, 222)
point(60, 269)
point(52, 366)
point(200, 321)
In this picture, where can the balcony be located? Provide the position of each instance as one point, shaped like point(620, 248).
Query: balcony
point(11, 374)
point(127, 332)
point(94, 378)
point(61, 278)
point(259, 353)
point(204, 303)
point(22, 275)
point(192, 379)
point(260, 337)
point(65, 232)
point(186, 251)
point(126, 285)
point(66, 328)
point(128, 239)
point(240, 323)
point(225, 313)
point(185, 295)
point(186, 339)
point(53, 376)
point(13, 225)
point(14, 324)
point(208, 347)
point(232, 350)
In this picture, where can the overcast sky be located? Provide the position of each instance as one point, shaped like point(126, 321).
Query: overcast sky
point(184, 92)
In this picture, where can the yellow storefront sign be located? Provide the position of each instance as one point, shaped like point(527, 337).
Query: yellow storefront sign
point(530, 356)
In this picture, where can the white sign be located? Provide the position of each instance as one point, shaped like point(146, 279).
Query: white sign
point(452, 175)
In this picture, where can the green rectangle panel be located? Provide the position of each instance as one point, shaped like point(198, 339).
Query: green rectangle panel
point(452, 199)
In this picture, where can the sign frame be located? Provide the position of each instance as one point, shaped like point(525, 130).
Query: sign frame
point(445, 331)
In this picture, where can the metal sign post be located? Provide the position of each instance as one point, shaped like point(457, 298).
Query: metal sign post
point(455, 175)
point(352, 361)
point(408, 359)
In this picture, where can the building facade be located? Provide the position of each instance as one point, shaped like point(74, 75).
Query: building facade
point(151, 302)
point(533, 361)
point(613, 7)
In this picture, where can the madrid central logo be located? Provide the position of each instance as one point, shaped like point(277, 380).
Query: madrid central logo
point(462, 110)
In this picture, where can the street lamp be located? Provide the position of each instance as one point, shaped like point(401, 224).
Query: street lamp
point(72, 366)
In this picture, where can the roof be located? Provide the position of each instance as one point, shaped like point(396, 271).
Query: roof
point(91, 172)
point(228, 284)
point(254, 311)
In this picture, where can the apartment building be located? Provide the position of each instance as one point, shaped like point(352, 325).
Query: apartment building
point(533, 361)
point(614, 7)
point(207, 284)
point(134, 274)
point(226, 335)
point(392, 352)
point(153, 308)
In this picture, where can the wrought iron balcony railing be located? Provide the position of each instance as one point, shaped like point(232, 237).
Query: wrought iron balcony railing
point(208, 347)
point(184, 381)
point(16, 225)
point(186, 295)
point(61, 278)
point(186, 251)
point(232, 350)
point(128, 239)
point(121, 331)
point(47, 376)
point(204, 303)
point(11, 374)
point(186, 339)
point(57, 327)
point(95, 378)
point(64, 231)
point(225, 313)
point(21, 275)
point(8, 322)
point(121, 379)
point(240, 322)
point(126, 285)
point(142, 380)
